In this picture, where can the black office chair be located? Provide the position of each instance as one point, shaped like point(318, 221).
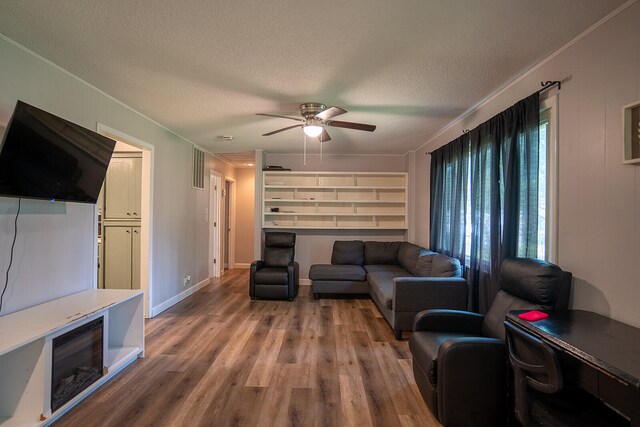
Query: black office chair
point(276, 276)
point(540, 397)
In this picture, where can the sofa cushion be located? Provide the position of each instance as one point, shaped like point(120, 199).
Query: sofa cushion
point(424, 348)
point(408, 255)
point(381, 252)
point(381, 283)
point(445, 266)
point(415, 259)
point(424, 263)
point(337, 272)
point(396, 269)
point(348, 252)
point(271, 276)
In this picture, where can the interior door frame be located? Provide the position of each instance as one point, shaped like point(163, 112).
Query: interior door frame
point(215, 200)
point(146, 213)
point(231, 226)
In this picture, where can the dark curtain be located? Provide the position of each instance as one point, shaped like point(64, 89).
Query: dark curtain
point(449, 190)
point(498, 162)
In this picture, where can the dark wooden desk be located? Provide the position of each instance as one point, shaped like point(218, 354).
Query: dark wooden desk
point(603, 354)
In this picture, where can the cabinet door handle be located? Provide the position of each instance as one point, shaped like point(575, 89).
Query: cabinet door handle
point(135, 213)
point(128, 231)
point(128, 213)
point(135, 231)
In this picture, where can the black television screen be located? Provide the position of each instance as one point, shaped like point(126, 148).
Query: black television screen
point(43, 156)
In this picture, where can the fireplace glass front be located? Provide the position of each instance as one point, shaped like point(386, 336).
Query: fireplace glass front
point(77, 362)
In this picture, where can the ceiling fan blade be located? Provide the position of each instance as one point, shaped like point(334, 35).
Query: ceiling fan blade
point(324, 136)
point(330, 112)
point(351, 125)
point(281, 130)
point(282, 117)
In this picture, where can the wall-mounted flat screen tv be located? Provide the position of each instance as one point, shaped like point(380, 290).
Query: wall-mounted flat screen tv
point(43, 156)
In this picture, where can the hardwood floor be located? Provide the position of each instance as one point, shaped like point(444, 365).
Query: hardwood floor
point(218, 359)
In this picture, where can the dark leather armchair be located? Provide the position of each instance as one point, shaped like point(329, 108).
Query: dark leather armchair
point(276, 276)
point(460, 357)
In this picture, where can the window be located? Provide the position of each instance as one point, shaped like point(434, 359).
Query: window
point(493, 194)
point(547, 187)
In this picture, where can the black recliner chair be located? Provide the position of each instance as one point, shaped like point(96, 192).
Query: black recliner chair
point(276, 276)
point(460, 358)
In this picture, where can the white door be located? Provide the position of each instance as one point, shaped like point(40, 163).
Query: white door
point(215, 191)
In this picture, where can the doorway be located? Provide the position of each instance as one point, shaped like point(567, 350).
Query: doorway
point(141, 236)
point(229, 223)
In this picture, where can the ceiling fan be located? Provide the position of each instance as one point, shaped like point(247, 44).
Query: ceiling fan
point(315, 117)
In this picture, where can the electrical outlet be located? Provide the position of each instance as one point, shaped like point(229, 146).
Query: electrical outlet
point(187, 280)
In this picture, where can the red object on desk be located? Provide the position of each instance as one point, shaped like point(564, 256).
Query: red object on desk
point(533, 315)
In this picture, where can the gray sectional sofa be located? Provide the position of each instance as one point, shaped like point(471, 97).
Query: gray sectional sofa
point(401, 278)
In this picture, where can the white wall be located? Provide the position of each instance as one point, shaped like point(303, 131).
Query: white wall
point(599, 198)
point(55, 253)
point(314, 246)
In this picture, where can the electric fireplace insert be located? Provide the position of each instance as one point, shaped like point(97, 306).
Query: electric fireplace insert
point(77, 362)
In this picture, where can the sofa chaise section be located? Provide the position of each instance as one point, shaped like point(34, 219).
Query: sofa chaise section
point(401, 278)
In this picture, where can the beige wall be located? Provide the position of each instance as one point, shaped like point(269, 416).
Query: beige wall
point(245, 189)
point(599, 198)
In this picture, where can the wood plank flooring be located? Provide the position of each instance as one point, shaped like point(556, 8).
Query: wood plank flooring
point(219, 359)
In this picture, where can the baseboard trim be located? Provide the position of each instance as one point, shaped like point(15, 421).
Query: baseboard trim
point(304, 282)
point(242, 265)
point(176, 299)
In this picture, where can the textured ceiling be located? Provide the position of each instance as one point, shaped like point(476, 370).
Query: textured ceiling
point(204, 68)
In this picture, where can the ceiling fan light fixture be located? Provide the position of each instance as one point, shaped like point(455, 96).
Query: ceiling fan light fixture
point(313, 128)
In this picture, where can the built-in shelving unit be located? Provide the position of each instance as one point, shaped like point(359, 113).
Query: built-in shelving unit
point(334, 200)
point(26, 349)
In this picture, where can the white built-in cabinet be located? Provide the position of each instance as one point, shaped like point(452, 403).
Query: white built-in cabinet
point(123, 186)
point(122, 257)
point(334, 200)
point(26, 347)
point(120, 241)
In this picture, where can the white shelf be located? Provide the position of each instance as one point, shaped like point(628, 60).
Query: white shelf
point(328, 214)
point(337, 187)
point(115, 357)
point(361, 201)
point(352, 200)
point(26, 349)
point(298, 227)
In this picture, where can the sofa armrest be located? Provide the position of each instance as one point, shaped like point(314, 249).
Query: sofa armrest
point(448, 321)
point(472, 374)
point(423, 293)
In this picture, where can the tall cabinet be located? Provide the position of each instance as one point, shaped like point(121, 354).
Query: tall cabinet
point(120, 233)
